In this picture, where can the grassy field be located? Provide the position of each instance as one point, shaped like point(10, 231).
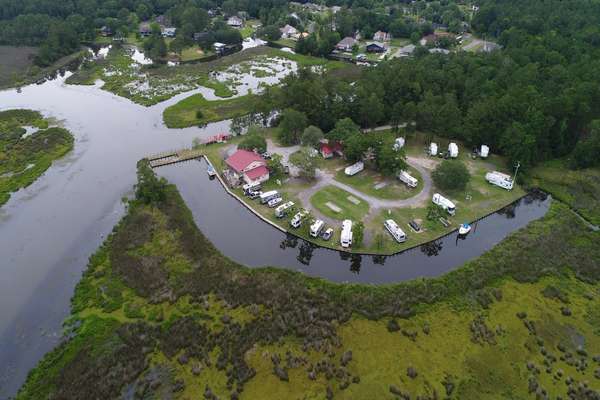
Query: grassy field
point(184, 113)
point(366, 181)
point(24, 157)
point(350, 206)
point(160, 312)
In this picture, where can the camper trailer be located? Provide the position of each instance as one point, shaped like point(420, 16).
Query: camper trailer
point(499, 179)
point(393, 228)
point(354, 168)
point(453, 150)
point(346, 238)
point(283, 209)
point(316, 228)
point(444, 203)
point(409, 180)
point(266, 196)
point(433, 149)
point(298, 218)
point(251, 187)
point(399, 143)
point(484, 151)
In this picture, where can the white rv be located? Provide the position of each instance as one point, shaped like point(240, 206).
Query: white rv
point(399, 143)
point(316, 228)
point(251, 187)
point(283, 209)
point(433, 149)
point(354, 168)
point(484, 152)
point(499, 179)
point(346, 238)
point(266, 196)
point(395, 230)
point(453, 150)
point(444, 203)
point(408, 179)
point(298, 218)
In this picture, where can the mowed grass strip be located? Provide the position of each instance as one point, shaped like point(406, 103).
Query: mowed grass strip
point(339, 197)
point(365, 181)
point(185, 113)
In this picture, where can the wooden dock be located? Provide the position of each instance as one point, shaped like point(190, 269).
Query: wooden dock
point(173, 157)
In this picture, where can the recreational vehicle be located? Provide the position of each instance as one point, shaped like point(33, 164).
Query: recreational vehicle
point(346, 238)
point(433, 149)
point(395, 230)
point(499, 179)
point(274, 202)
point(266, 196)
point(444, 203)
point(399, 143)
point(316, 228)
point(283, 209)
point(251, 187)
point(409, 180)
point(453, 150)
point(354, 168)
point(484, 151)
point(298, 218)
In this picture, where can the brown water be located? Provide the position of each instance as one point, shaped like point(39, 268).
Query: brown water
point(48, 230)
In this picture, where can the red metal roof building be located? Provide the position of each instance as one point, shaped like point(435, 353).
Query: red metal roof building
point(248, 166)
point(328, 150)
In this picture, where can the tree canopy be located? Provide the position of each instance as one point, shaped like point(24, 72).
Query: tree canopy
point(451, 175)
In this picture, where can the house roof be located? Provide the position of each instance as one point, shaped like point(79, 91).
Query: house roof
point(256, 173)
point(328, 148)
point(241, 159)
point(288, 29)
point(378, 44)
point(347, 42)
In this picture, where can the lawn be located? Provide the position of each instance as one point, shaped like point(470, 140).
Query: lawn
point(341, 199)
point(194, 53)
point(366, 180)
point(184, 113)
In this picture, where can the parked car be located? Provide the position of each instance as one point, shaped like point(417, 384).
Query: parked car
point(266, 155)
point(327, 234)
point(274, 202)
point(254, 194)
point(415, 225)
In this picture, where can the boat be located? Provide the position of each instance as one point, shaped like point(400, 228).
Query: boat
point(464, 229)
point(211, 171)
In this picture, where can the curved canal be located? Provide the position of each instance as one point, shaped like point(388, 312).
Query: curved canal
point(48, 230)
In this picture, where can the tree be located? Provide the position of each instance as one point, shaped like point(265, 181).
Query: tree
point(451, 176)
point(253, 142)
point(149, 189)
point(344, 128)
point(586, 151)
point(155, 46)
point(355, 147)
point(389, 161)
point(275, 165)
point(358, 233)
point(311, 136)
point(304, 160)
point(291, 126)
point(270, 32)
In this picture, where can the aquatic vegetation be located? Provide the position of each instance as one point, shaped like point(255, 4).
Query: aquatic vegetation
point(28, 146)
point(160, 312)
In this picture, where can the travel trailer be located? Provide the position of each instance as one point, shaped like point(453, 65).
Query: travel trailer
point(444, 203)
point(409, 180)
point(399, 143)
point(453, 150)
point(354, 168)
point(298, 218)
point(433, 149)
point(346, 238)
point(283, 209)
point(499, 179)
point(484, 151)
point(395, 230)
point(316, 228)
point(251, 187)
point(266, 196)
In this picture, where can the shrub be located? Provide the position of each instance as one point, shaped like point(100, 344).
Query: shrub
point(451, 176)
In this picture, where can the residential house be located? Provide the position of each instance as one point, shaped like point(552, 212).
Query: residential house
point(381, 36)
point(346, 44)
point(488, 47)
point(406, 51)
point(329, 150)
point(106, 31)
point(376, 47)
point(288, 32)
point(247, 166)
point(145, 29)
point(169, 32)
point(235, 22)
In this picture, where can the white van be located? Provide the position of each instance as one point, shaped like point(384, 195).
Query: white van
point(266, 196)
point(316, 228)
point(444, 203)
point(298, 218)
point(453, 150)
point(433, 149)
point(395, 230)
point(346, 238)
point(409, 180)
point(354, 168)
point(499, 179)
point(283, 209)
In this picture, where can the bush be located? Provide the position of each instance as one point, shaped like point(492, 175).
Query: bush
point(451, 176)
point(253, 142)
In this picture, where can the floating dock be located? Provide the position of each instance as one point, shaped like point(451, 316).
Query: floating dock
point(173, 157)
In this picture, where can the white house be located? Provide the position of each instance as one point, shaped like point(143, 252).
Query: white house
point(235, 22)
point(288, 32)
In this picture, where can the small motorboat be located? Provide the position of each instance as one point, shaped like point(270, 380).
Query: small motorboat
point(464, 229)
point(211, 171)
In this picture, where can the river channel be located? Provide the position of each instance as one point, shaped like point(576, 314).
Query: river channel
point(48, 230)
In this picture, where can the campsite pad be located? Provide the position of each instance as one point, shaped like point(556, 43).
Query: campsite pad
point(380, 185)
point(353, 199)
point(333, 207)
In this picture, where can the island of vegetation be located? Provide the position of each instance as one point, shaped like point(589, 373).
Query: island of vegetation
point(28, 146)
point(160, 313)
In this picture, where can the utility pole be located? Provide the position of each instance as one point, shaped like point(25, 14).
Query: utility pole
point(516, 170)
